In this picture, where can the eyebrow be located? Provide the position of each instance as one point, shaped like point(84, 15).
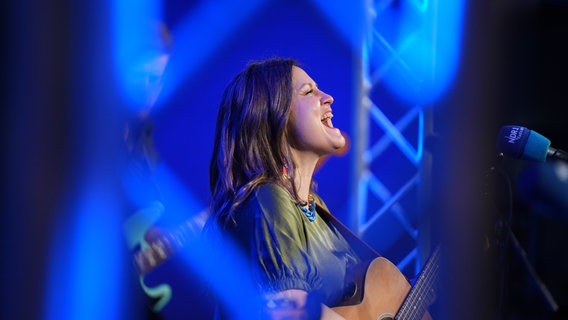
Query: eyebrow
point(311, 84)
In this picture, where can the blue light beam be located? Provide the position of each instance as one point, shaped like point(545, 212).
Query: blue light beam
point(86, 265)
point(418, 54)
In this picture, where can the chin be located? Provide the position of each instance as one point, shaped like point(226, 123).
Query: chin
point(341, 147)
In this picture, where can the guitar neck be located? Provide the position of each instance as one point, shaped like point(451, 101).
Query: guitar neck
point(422, 294)
point(165, 246)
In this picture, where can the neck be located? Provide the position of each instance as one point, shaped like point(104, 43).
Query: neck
point(305, 167)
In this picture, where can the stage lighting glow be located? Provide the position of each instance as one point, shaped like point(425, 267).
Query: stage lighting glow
point(139, 50)
point(226, 274)
point(418, 48)
point(84, 279)
point(347, 17)
point(200, 33)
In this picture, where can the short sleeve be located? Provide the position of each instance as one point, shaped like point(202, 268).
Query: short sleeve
point(278, 242)
point(286, 250)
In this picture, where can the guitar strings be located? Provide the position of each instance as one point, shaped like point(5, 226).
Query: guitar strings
point(427, 279)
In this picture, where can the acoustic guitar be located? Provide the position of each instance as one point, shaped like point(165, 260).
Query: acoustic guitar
point(389, 295)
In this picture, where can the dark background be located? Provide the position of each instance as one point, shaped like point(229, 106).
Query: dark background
point(59, 95)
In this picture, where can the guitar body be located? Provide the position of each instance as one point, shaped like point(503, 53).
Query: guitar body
point(385, 290)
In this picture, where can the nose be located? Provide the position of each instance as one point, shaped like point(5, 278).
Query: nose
point(326, 98)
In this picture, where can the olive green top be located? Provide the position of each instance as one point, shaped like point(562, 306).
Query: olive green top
point(287, 251)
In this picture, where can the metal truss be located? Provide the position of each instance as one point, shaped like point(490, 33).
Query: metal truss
point(391, 166)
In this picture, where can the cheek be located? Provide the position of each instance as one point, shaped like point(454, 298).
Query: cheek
point(304, 113)
point(298, 131)
point(302, 122)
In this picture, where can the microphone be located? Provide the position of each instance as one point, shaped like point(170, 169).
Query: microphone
point(520, 142)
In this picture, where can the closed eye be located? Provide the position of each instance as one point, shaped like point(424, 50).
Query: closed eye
point(308, 89)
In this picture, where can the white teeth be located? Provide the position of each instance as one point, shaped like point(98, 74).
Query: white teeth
point(326, 120)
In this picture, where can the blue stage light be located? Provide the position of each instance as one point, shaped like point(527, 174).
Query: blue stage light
point(417, 48)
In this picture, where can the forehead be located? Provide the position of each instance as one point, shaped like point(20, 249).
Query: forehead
point(300, 77)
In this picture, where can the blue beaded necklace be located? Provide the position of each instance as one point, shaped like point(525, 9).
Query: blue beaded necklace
point(309, 208)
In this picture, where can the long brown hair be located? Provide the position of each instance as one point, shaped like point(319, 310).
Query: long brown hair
point(251, 139)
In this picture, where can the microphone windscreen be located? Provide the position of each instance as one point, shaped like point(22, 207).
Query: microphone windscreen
point(537, 147)
point(520, 142)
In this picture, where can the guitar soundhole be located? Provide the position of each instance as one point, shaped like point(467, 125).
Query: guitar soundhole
point(386, 316)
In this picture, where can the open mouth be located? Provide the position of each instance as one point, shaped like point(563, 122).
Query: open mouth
point(326, 120)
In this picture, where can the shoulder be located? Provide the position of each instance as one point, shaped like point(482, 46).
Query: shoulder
point(271, 202)
point(272, 196)
point(272, 192)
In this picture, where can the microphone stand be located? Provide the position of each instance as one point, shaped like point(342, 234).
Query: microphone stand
point(541, 287)
point(502, 227)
